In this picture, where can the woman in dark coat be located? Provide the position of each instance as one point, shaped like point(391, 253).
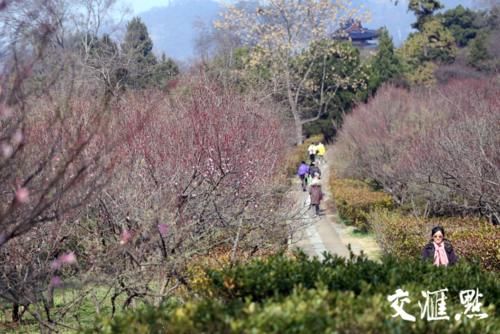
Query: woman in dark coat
point(316, 194)
point(439, 250)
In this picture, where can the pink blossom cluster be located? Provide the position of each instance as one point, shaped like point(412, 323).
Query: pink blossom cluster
point(62, 260)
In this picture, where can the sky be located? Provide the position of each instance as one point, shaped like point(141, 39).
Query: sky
point(138, 6)
point(396, 19)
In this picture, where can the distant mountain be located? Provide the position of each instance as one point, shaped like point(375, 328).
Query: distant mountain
point(173, 32)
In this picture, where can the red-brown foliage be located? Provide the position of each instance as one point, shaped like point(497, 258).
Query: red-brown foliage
point(437, 149)
point(203, 172)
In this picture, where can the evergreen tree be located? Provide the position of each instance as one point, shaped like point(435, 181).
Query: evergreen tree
point(463, 23)
point(165, 70)
point(138, 50)
point(478, 52)
point(386, 63)
point(423, 50)
point(424, 10)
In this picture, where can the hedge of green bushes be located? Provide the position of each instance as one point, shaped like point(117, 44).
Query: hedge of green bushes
point(473, 239)
point(355, 200)
point(302, 295)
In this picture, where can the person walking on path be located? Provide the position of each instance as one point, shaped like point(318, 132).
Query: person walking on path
point(321, 150)
point(439, 250)
point(312, 151)
point(316, 194)
point(303, 172)
point(313, 170)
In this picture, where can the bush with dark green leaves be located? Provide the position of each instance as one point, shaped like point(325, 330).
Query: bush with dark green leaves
point(297, 294)
point(322, 126)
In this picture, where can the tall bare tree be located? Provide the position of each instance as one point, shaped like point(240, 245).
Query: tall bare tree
point(280, 30)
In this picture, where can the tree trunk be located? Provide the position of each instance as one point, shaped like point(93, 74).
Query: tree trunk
point(16, 317)
point(236, 240)
point(296, 116)
point(298, 129)
point(50, 296)
point(293, 108)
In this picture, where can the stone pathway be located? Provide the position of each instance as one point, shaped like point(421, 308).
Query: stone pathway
point(319, 234)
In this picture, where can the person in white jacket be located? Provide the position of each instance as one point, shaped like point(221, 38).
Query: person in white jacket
point(312, 151)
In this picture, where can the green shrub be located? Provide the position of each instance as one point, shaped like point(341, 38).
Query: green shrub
point(301, 295)
point(472, 238)
point(323, 311)
point(278, 276)
point(355, 199)
point(321, 126)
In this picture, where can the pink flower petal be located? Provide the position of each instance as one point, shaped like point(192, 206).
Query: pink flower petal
point(68, 258)
point(7, 150)
point(125, 237)
point(17, 138)
point(55, 281)
point(22, 195)
point(163, 229)
point(55, 265)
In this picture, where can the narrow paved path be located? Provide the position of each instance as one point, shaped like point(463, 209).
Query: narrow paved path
point(318, 234)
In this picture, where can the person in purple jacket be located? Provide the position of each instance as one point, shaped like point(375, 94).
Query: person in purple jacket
point(302, 172)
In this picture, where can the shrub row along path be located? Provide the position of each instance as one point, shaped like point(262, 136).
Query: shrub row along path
point(316, 235)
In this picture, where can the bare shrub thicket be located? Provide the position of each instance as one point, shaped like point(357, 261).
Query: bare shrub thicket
point(54, 120)
point(56, 148)
point(436, 151)
point(177, 175)
point(107, 195)
point(203, 174)
point(66, 157)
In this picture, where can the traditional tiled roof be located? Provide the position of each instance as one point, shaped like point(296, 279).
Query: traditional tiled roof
point(353, 30)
